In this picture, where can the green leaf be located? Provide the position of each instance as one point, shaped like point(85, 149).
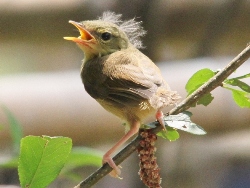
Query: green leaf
point(241, 98)
point(180, 121)
point(242, 77)
point(206, 99)
point(183, 122)
point(15, 129)
point(171, 134)
point(41, 159)
point(238, 83)
point(198, 79)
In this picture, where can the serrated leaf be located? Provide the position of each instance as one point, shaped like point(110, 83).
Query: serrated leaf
point(241, 98)
point(198, 79)
point(183, 122)
point(41, 159)
point(235, 82)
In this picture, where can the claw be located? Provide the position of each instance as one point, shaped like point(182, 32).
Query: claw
point(135, 125)
point(116, 172)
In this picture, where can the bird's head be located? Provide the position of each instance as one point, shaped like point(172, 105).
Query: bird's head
point(106, 35)
point(99, 38)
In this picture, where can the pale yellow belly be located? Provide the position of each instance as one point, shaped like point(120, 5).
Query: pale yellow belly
point(127, 113)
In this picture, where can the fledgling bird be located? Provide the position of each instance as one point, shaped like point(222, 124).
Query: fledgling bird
point(118, 76)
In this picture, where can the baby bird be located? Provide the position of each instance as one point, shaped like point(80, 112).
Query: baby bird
point(118, 76)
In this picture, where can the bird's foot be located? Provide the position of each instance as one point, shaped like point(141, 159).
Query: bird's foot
point(159, 117)
point(116, 172)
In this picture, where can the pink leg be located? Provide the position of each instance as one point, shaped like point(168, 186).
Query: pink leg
point(107, 156)
point(159, 117)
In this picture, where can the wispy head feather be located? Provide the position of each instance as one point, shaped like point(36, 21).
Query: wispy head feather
point(131, 28)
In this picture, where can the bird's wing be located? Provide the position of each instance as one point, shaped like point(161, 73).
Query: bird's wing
point(131, 78)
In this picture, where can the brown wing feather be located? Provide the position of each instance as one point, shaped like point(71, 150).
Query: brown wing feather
point(133, 78)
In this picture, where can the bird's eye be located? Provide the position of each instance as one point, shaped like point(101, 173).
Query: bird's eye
point(106, 36)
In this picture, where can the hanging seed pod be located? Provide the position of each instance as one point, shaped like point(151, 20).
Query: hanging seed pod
point(149, 170)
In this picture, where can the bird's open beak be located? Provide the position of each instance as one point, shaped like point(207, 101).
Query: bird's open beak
point(85, 35)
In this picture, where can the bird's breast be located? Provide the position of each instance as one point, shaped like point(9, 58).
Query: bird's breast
point(93, 79)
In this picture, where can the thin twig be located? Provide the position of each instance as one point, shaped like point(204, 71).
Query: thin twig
point(185, 104)
point(214, 82)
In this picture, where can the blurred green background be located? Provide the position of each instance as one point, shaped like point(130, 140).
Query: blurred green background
point(41, 85)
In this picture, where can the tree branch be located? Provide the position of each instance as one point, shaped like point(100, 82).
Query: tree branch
point(184, 105)
point(214, 82)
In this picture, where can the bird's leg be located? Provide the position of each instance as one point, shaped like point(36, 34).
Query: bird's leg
point(107, 156)
point(159, 117)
